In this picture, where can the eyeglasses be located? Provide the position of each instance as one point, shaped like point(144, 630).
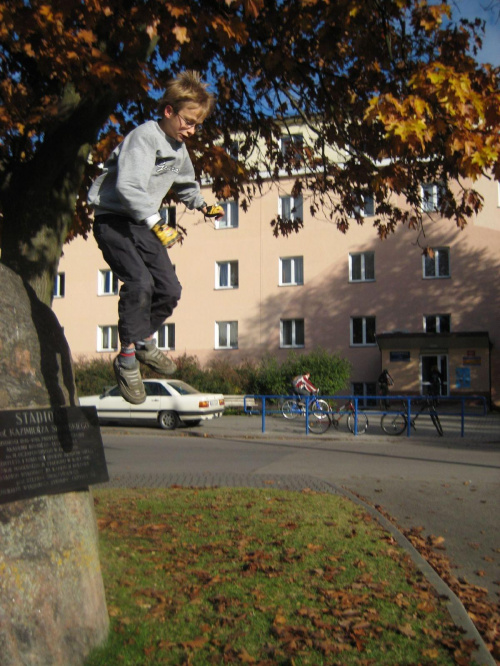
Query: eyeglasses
point(188, 124)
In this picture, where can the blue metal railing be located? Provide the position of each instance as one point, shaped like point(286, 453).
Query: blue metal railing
point(251, 407)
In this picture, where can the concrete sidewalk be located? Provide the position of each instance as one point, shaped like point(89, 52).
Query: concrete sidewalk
point(484, 429)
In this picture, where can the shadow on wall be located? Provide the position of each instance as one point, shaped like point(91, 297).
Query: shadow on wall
point(399, 298)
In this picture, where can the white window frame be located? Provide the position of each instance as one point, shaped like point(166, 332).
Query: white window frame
point(165, 334)
point(231, 269)
point(295, 204)
point(438, 253)
point(230, 331)
point(366, 207)
point(107, 283)
point(291, 140)
point(431, 194)
point(59, 285)
point(296, 271)
point(295, 331)
point(107, 338)
point(169, 215)
point(231, 216)
point(364, 342)
point(363, 263)
point(439, 320)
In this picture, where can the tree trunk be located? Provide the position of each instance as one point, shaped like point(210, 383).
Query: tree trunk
point(53, 609)
point(38, 198)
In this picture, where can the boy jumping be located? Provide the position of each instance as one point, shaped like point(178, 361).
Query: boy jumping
point(128, 228)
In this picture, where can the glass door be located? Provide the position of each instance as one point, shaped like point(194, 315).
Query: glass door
point(428, 365)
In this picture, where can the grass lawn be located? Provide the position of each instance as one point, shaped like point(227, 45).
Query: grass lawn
point(252, 576)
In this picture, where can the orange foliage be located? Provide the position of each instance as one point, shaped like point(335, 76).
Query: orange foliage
point(388, 87)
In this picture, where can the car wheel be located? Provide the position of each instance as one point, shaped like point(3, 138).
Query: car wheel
point(168, 420)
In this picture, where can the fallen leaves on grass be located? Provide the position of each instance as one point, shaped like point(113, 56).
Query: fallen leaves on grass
point(484, 613)
point(216, 576)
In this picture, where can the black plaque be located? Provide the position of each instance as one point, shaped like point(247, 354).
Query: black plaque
point(47, 451)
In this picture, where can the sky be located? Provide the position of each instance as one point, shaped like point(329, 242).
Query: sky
point(479, 8)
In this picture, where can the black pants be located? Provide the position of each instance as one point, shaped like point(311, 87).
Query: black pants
point(150, 289)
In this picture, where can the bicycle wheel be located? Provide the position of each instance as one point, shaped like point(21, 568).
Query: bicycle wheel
point(393, 424)
point(362, 422)
point(290, 409)
point(318, 420)
point(321, 404)
point(437, 423)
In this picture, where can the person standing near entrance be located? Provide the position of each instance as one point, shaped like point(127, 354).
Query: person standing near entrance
point(128, 228)
point(436, 382)
point(384, 381)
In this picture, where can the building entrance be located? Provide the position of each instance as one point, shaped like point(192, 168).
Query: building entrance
point(427, 363)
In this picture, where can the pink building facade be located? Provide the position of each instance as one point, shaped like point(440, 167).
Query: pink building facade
point(247, 294)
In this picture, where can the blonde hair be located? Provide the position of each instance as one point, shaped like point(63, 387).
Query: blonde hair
point(186, 90)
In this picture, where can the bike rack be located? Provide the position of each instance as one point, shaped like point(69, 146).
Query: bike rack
point(263, 411)
point(249, 408)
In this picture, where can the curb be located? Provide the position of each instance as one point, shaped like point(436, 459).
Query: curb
point(455, 607)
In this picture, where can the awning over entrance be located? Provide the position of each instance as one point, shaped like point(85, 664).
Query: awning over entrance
point(462, 358)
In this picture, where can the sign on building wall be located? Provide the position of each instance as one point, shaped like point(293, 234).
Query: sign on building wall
point(472, 360)
point(399, 356)
point(462, 377)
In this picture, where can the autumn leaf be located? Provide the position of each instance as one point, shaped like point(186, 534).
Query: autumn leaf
point(181, 34)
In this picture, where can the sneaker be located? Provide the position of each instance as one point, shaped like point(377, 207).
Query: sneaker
point(130, 383)
point(155, 359)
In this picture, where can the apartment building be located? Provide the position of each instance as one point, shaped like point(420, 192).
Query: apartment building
point(380, 304)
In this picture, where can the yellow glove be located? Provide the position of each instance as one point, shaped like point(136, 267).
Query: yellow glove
point(166, 234)
point(214, 211)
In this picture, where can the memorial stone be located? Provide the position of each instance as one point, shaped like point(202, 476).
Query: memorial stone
point(52, 602)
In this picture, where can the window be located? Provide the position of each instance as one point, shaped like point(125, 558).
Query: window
point(154, 388)
point(59, 285)
point(366, 206)
point(292, 333)
point(290, 208)
point(108, 283)
point(230, 219)
point(165, 337)
point(431, 195)
point(367, 392)
point(226, 275)
point(437, 266)
point(437, 323)
point(291, 271)
point(234, 150)
point(226, 335)
point(291, 145)
point(362, 331)
point(107, 338)
point(169, 215)
point(362, 267)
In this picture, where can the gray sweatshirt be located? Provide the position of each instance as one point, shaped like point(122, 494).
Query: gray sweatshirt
point(139, 173)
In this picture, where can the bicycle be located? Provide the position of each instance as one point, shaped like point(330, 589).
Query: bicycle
point(396, 423)
point(318, 424)
point(317, 410)
point(348, 408)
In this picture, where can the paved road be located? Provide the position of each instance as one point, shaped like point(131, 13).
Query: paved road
point(450, 486)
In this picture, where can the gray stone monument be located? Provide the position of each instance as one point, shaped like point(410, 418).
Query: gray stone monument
point(52, 603)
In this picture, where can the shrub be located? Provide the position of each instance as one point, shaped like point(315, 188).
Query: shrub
point(329, 372)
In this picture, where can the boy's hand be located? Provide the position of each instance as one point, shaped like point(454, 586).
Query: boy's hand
point(166, 234)
point(214, 211)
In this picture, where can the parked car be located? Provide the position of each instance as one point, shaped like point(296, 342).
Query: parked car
point(169, 402)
